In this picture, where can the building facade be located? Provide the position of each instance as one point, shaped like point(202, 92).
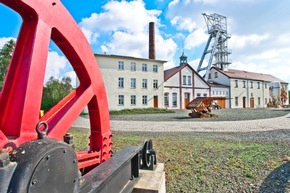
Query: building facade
point(132, 82)
point(181, 85)
point(246, 89)
point(218, 90)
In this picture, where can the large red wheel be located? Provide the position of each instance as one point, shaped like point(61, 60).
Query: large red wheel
point(20, 100)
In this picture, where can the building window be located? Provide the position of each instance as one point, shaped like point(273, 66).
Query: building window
point(166, 99)
point(198, 94)
point(155, 84)
point(259, 101)
point(120, 65)
point(174, 99)
point(251, 84)
point(258, 85)
point(209, 75)
point(155, 68)
point(184, 80)
point(237, 101)
point(144, 83)
point(121, 83)
point(133, 66)
point(205, 94)
point(189, 80)
point(121, 99)
point(133, 99)
point(144, 67)
point(144, 99)
point(244, 84)
point(265, 85)
point(236, 84)
point(213, 93)
point(216, 75)
point(266, 101)
point(133, 82)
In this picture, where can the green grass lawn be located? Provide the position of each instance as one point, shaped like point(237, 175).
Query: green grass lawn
point(204, 164)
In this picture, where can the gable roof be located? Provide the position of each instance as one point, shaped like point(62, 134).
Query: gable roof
point(241, 74)
point(172, 71)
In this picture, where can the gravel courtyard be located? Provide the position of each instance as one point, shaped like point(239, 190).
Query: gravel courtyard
point(228, 120)
point(241, 162)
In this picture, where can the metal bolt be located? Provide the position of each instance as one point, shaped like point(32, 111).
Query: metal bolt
point(34, 182)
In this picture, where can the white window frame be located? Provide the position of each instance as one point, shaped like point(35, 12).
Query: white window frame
point(144, 83)
point(133, 83)
point(121, 82)
point(144, 67)
point(155, 68)
point(133, 99)
point(155, 83)
point(121, 99)
point(121, 65)
point(133, 66)
point(144, 100)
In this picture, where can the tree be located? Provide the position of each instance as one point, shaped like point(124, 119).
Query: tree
point(55, 90)
point(5, 57)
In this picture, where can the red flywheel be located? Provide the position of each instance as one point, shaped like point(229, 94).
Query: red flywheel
point(20, 99)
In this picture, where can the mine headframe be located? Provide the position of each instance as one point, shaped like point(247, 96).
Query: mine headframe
point(216, 46)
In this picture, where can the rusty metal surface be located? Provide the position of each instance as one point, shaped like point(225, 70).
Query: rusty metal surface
point(202, 102)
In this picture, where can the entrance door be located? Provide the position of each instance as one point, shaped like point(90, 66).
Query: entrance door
point(244, 102)
point(252, 103)
point(155, 101)
point(186, 99)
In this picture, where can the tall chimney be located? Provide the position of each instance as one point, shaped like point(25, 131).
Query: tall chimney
point(151, 41)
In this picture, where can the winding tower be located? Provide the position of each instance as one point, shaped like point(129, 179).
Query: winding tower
point(217, 44)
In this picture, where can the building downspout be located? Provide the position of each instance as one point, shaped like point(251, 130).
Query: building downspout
point(180, 91)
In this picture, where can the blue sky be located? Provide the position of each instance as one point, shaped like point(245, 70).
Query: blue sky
point(260, 31)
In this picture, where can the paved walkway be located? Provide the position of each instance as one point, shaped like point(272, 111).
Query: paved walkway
point(174, 126)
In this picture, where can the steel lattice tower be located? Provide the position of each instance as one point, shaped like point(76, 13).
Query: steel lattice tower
point(217, 44)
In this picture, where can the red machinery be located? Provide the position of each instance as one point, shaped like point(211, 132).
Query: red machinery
point(32, 156)
point(201, 107)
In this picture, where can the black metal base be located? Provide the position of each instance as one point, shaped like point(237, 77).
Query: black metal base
point(118, 174)
point(44, 165)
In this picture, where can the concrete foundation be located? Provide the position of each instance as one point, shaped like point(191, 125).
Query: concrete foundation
point(151, 181)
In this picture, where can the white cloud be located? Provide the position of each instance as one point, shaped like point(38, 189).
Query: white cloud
point(73, 77)
point(184, 23)
point(242, 41)
point(196, 38)
point(127, 24)
point(91, 36)
point(128, 16)
point(55, 64)
point(206, 1)
point(4, 40)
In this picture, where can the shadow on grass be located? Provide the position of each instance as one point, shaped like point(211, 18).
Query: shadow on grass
point(277, 180)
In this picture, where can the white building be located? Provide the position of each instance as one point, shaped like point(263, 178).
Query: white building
point(219, 90)
point(183, 84)
point(246, 89)
point(132, 82)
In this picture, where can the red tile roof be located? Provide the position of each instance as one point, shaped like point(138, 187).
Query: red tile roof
point(170, 72)
point(240, 74)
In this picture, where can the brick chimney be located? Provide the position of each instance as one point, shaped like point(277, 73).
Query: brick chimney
point(151, 40)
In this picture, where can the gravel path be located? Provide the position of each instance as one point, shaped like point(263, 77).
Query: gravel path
point(279, 123)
